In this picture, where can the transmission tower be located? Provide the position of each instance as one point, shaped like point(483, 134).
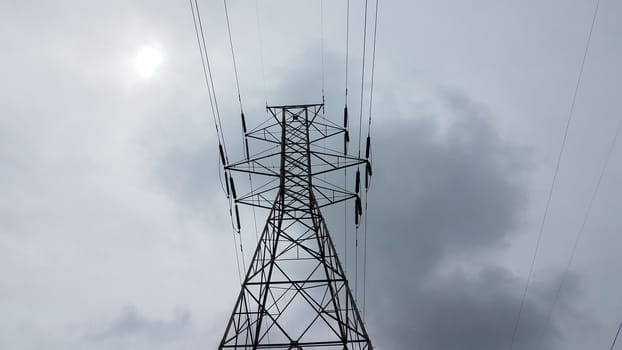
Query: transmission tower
point(295, 294)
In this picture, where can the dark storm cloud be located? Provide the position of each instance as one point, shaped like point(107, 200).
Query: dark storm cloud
point(441, 190)
point(467, 312)
point(448, 189)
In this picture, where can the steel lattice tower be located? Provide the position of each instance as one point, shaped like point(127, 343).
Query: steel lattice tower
point(295, 294)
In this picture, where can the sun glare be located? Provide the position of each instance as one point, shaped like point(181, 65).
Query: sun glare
point(147, 60)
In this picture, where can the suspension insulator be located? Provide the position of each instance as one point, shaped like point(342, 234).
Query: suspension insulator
point(357, 185)
point(235, 195)
point(346, 139)
point(368, 147)
point(368, 168)
point(366, 180)
point(359, 206)
point(243, 123)
point(247, 152)
point(356, 216)
point(237, 217)
point(227, 183)
point(345, 117)
point(222, 155)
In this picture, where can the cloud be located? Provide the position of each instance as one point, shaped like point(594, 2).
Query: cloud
point(466, 312)
point(446, 192)
point(88, 150)
point(443, 192)
point(133, 324)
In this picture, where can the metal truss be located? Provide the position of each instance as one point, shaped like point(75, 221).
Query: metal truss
point(295, 294)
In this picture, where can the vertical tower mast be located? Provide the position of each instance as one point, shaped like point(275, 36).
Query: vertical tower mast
point(295, 294)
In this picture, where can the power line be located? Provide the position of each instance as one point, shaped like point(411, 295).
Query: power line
point(235, 66)
point(585, 219)
point(260, 41)
point(346, 138)
point(368, 157)
point(347, 46)
point(209, 82)
point(358, 170)
point(373, 67)
point(550, 194)
point(616, 337)
point(212, 96)
point(322, 45)
point(237, 82)
point(205, 74)
point(211, 78)
point(243, 119)
point(363, 77)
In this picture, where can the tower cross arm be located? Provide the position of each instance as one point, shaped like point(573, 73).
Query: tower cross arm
point(327, 162)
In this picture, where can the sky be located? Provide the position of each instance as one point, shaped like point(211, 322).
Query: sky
point(114, 231)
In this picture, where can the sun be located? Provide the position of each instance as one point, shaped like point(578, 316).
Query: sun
point(147, 60)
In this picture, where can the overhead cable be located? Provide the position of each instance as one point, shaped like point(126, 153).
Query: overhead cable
point(358, 212)
point(243, 119)
point(615, 339)
point(261, 59)
point(211, 78)
point(346, 137)
point(368, 156)
point(235, 66)
point(586, 216)
point(551, 189)
point(322, 46)
point(209, 82)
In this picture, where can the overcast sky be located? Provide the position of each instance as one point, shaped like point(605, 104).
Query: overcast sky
point(114, 231)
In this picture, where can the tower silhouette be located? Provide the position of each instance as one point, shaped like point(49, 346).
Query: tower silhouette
point(295, 294)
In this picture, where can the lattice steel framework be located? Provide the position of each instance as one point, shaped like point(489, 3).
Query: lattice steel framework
point(295, 294)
